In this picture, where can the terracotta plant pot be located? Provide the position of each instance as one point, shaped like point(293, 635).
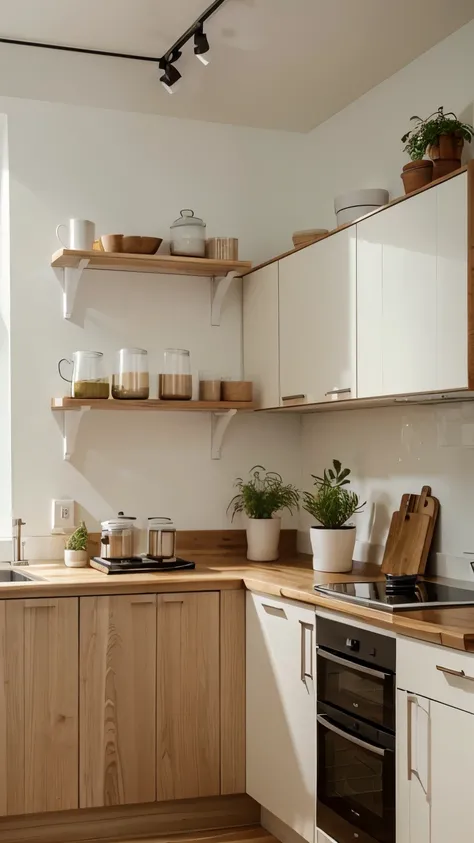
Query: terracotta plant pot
point(448, 147)
point(444, 166)
point(417, 174)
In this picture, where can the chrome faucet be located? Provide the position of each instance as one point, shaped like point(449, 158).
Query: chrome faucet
point(18, 545)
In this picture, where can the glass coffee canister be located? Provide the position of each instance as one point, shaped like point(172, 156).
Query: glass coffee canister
point(88, 379)
point(131, 379)
point(175, 380)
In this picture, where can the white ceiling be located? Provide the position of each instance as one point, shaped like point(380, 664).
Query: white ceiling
point(287, 64)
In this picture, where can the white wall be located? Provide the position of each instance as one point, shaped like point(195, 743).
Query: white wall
point(360, 146)
point(132, 173)
point(5, 428)
point(396, 450)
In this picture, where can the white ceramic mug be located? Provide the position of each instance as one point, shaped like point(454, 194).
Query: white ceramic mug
point(81, 234)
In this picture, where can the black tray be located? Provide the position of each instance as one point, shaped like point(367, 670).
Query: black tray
point(139, 565)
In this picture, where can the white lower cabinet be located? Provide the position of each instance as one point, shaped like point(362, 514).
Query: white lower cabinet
point(281, 721)
point(435, 752)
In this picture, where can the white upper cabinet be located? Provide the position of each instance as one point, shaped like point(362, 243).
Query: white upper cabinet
point(318, 320)
point(260, 334)
point(281, 716)
point(412, 294)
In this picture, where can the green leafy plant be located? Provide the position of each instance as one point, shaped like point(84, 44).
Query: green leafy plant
point(426, 132)
point(263, 495)
point(78, 540)
point(332, 505)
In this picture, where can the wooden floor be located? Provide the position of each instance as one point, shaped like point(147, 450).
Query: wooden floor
point(250, 834)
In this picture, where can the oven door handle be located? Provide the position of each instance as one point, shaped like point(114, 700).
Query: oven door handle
point(360, 668)
point(323, 721)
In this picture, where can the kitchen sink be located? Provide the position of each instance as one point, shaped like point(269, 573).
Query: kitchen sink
point(14, 576)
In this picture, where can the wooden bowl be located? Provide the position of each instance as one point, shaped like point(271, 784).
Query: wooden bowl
point(112, 242)
point(132, 245)
point(141, 245)
point(150, 245)
point(302, 238)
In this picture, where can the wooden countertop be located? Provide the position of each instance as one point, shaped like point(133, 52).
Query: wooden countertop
point(292, 578)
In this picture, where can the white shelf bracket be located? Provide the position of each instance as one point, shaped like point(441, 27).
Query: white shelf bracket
point(219, 290)
point(70, 422)
point(70, 277)
point(219, 424)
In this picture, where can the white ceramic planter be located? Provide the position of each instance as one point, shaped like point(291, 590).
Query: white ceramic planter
point(76, 558)
point(332, 549)
point(263, 537)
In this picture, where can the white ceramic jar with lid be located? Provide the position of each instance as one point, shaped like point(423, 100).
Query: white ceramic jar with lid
point(188, 235)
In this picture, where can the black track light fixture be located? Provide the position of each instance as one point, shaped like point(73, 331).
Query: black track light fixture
point(166, 63)
point(170, 76)
point(201, 45)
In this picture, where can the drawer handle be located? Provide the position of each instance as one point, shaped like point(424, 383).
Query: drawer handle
point(459, 673)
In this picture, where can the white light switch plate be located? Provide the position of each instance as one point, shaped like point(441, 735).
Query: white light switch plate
point(63, 520)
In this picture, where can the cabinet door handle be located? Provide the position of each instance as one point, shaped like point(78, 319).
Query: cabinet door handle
point(450, 672)
point(274, 610)
point(300, 395)
point(411, 700)
point(339, 391)
point(305, 674)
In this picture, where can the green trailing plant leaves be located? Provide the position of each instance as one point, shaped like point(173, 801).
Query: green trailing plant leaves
point(263, 494)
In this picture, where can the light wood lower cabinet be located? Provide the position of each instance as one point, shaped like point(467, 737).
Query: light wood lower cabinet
point(117, 700)
point(188, 708)
point(38, 705)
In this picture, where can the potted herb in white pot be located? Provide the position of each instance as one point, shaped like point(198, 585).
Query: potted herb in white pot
point(75, 553)
point(260, 498)
point(333, 539)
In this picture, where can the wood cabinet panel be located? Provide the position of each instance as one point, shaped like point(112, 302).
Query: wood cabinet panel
point(188, 710)
point(117, 700)
point(38, 705)
point(260, 334)
point(232, 677)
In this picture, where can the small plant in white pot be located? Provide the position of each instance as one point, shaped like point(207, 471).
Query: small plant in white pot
point(75, 553)
point(260, 498)
point(333, 539)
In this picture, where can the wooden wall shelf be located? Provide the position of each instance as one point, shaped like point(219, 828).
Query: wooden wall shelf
point(69, 264)
point(159, 264)
point(70, 411)
point(109, 404)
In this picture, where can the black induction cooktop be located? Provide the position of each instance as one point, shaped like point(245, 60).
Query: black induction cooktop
point(423, 595)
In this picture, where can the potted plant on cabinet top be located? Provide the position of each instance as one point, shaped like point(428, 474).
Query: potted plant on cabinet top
point(333, 539)
point(442, 136)
point(75, 553)
point(260, 498)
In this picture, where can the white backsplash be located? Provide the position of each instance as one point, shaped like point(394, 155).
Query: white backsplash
point(395, 450)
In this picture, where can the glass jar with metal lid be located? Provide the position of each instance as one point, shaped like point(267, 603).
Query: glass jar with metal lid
point(117, 537)
point(161, 538)
point(188, 235)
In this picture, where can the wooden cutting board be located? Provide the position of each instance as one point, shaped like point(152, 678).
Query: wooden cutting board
point(411, 533)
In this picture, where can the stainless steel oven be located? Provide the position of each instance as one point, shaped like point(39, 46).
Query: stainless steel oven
point(355, 733)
